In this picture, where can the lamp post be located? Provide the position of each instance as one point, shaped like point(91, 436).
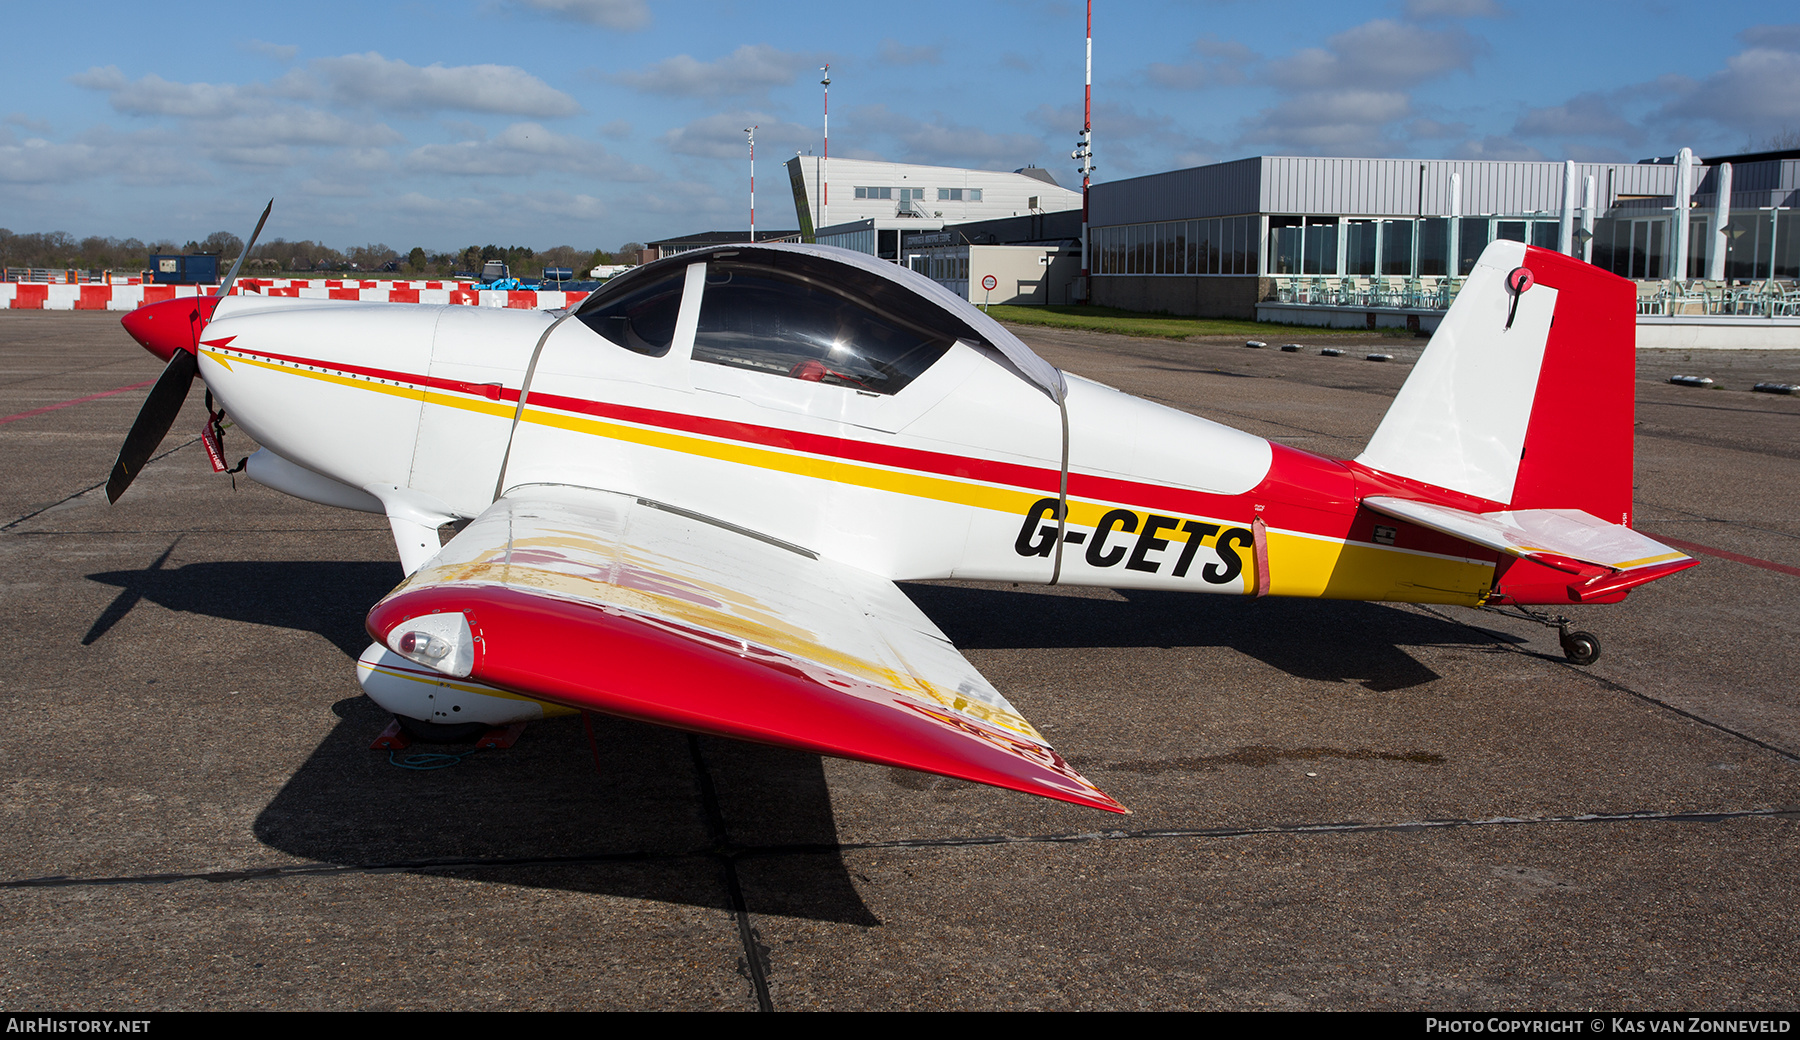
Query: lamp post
point(751, 131)
point(1775, 213)
point(825, 156)
point(1084, 154)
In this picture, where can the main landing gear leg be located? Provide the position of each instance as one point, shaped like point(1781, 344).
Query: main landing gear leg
point(1579, 647)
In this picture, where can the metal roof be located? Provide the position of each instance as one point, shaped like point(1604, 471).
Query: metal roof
point(1362, 187)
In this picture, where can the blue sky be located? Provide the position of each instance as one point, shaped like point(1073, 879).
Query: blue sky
point(594, 122)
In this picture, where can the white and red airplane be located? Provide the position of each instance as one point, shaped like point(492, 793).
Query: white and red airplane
point(688, 499)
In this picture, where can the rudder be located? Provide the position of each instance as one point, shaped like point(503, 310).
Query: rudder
point(1523, 399)
point(1578, 446)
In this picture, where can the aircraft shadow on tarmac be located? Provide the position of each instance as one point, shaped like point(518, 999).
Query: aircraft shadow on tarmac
point(1321, 640)
point(625, 815)
point(649, 813)
point(329, 598)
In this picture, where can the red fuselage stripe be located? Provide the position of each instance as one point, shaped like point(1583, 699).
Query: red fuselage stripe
point(1298, 464)
point(425, 382)
point(1005, 473)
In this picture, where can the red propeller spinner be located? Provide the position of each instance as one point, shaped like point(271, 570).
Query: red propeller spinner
point(170, 325)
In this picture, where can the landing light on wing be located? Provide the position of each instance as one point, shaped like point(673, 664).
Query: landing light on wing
point(438, 641)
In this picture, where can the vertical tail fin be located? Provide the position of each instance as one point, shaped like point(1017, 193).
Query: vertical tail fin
point(1524, 397)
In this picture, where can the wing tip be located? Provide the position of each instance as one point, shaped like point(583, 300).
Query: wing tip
point(1086, 795)
point(672, 675)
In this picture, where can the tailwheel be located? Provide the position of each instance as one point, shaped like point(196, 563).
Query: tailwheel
point(1580, 647)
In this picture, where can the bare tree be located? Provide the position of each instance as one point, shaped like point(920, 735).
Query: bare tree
point(1785, 139)
point(224, 243)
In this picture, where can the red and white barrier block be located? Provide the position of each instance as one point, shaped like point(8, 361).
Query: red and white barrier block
point(47, 297)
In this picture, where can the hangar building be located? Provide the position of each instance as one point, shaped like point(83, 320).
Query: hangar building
point(866, 205)
point(1216, 240)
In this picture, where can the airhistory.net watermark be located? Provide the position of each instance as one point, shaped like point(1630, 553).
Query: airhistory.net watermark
point(39, 1024)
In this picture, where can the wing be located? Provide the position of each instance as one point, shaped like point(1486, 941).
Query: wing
point(1602, 558)
point(616, 604)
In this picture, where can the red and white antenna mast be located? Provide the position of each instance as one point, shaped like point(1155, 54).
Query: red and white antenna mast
point(1084, 151)
point(751, 130)
point(825, 159)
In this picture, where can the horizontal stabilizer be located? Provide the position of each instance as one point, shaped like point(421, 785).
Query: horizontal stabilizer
point(1601, 558)
point(615, 604)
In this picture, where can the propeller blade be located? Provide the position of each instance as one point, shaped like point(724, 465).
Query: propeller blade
point(153, 422)
point(225, 286)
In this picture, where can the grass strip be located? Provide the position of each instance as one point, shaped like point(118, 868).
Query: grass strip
point(1157, 326)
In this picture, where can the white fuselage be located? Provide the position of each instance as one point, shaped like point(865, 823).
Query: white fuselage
point(418, 406)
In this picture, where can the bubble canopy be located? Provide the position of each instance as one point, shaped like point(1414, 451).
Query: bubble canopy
point(806, 312)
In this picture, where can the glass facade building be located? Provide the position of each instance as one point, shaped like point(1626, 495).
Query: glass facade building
point(1183, 241)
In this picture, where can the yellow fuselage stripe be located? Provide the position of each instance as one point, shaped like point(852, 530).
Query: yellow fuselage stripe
point(1309, 565)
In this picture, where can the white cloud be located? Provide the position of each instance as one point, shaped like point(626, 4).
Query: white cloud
point(1735, 108)
point(26, 123)
point(1111, 121)
point(465, 129)
point(723, 137)
point(522, 149)
point(564, 205)
point(1495, 147)
point(1126, 141)
point(500, 210)
point(1427, 129)
point(1588, 115)
point(1772, 37)
point(1755, 93)
point(306, 127)
point(362, 160)
point(282, 52)
point(332, 189)
point(1596, 153)
point(1354, 95)
point(158, 158)
point(236, 117)
point(1341, 122)
point(416, 204)
point(266, 156)
point(690, 200)
point(1751, 99)
point(154, 96)
point(370, 79)
point(1376, 55)
point(1363, 107)
point(611, 14)
point(1221, 63)
point(37, 161)
point(751, 69)
point(938, 142)
point(237, 125)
